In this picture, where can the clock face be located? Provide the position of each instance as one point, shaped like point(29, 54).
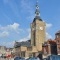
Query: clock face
point(41, 28)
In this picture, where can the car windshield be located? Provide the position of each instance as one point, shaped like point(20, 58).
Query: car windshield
point(34, 58)
point(19, 58)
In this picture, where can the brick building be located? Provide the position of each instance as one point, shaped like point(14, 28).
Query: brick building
point(52, 47)
point(57, 38)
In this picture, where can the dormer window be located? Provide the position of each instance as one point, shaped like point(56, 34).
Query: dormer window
point(57, 36)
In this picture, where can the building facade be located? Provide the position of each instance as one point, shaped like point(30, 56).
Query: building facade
point(5, 52)
point(52, 47)
point(57, 38)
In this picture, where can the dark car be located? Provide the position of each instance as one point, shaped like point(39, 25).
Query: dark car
point(33, 58)
point(19, 58)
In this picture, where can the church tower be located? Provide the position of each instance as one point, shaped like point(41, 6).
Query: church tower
point(37, 30)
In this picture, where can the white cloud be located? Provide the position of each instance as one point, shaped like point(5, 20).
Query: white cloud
point(14, 27)
point(27, 37)
point(6, 30)
point(11, 44)
point(48, 36)
point(8, 44)
point(48, 25)
point(4, 34)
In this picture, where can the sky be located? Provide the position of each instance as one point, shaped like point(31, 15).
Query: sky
point(17, 15)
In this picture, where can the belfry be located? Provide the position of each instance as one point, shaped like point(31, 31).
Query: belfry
point(37, 30)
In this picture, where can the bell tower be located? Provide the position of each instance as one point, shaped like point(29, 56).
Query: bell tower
point(37, 30)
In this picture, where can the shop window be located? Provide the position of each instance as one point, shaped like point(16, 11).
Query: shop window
point(30, 54)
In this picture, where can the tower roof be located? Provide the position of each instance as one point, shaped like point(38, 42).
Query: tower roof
point(58, 32)
point(37, 12)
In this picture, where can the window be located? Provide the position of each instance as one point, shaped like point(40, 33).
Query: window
point(58, 48)
point(45, 50)
point(33, 54)
point(30, 54)
point(29, 48)
point(57, 36)
point(58, 41)
point(22, 54)
point(34, 39)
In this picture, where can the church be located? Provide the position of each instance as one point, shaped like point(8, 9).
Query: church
point(33, 47)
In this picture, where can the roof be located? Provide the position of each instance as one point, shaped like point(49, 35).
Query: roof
point(26, 43)
point(37, 17)
point(52, 41)
point(58, 32)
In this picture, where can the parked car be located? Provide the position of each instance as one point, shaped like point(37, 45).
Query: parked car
point(19, 58)
point(45, 59)
point(53, 57)
point(33, 58)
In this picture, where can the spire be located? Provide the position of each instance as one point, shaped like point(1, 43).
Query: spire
point(37, 12)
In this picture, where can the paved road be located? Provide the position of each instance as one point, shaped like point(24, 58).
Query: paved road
point(6, 59)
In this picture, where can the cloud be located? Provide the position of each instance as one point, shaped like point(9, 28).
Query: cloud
point(48, 25)
point(14, 27)
point(11, 44)
point(8, 44)
point(48, 36)
point(4, 34)
point(6, 30)
point(27, 37)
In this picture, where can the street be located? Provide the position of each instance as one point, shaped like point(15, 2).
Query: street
point(6, 59)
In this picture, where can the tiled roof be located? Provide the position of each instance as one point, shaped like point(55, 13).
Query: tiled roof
point(26, 43)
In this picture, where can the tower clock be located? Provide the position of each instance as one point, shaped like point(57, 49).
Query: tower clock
point(37, 29)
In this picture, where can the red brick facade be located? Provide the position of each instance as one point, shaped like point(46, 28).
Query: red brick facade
point(52, 46)
point(57, 38)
